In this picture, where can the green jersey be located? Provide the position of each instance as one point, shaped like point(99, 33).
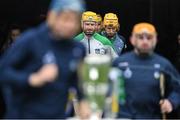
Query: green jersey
point(96, 44)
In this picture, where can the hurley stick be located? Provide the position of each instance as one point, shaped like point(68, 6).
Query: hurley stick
point(162, 91)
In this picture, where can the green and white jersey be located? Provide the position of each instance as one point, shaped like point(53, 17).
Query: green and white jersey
point(97, 44)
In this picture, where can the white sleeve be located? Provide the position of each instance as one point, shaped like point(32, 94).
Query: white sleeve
point(112, 52)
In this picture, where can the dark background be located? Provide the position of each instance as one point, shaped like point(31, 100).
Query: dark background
point(164, 14)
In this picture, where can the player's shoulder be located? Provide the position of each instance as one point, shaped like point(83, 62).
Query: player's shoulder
point(77, 44)
point(33, 36)
point(79, 37)
point(26, 37)
point(31, 33)
point(124, 57)
point(127, 55)
point(78, 48)
point(161, 59)
point(102, 39)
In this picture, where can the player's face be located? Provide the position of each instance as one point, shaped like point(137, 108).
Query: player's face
point(144, 43)
point(179, 39)
point(15, 33)
point(98, 27)
point(89, 27)
point(110, 31)
point(66, 24)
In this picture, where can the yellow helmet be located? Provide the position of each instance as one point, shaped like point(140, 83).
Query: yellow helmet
point(99, 18)
point(144, 27)
point(89, 16)
point(111, 19)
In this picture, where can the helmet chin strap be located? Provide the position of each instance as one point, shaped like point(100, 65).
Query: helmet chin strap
point(87, 34)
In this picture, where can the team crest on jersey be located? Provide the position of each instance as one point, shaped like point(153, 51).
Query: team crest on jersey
point(101, 51)
point(123, 64)
point(157, 66)
point(120, 48)
point(49, 58)
point(97, 51)
point(128, 73)
point(156, 75)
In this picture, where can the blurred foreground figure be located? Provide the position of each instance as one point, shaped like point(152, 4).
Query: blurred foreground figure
point(41, 65)
point(152, 85)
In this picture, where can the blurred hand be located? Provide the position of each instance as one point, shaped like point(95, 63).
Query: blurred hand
point(47, 73)
point(84, 110)
point(166, 106)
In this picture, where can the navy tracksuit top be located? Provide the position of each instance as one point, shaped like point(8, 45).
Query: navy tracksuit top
point(27, 55)
point(141, 75)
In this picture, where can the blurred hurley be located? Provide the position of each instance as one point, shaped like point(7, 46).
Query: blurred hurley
point(162, 91)
point(118, 95)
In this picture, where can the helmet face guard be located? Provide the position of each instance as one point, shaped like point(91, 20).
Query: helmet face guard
point(111, 23)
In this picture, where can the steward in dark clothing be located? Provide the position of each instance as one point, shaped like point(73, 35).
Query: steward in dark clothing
point(141, 76)
point(32, 50)
point(40, 67)
point(141, 70)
